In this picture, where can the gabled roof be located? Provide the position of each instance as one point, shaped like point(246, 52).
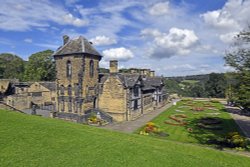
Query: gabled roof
point(128, 80)
point(78, 45)
point(4, 85)
point(49, 85)
point(151, 82)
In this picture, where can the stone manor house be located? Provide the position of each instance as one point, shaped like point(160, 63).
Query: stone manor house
point(80, 89)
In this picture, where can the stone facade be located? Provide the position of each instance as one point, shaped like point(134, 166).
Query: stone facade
point(80, 89)
point(77, 76)
point(128, 96)
point(28, 94)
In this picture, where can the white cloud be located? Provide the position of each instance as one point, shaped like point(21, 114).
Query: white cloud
point(70, 19)
point(23, 15)
point(151, 32)
point(47, 45)
point(103, 40)
point(28, 40)
point(175, 42)
point(220, 19)
point(160, 8)
point(234, 16)
point(180, 67)
point(228, 37)
point(121, 54)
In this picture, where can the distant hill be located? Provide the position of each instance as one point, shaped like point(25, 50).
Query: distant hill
point(205, 85)
point(201, 77)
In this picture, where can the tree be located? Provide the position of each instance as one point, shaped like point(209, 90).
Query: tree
point(172, 86)
point(215, 86)
point(197, 90)
point(11, 66)
point(239, 58)
point(40, 67)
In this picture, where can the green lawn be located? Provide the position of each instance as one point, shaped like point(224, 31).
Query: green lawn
point(199, 135)
point(27, 140)
point(190, 81)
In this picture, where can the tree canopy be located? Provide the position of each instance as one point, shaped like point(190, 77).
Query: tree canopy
point(40, 67)
point(11, 66)
point(239, 58)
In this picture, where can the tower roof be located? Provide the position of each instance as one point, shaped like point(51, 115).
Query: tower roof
point(78, 45)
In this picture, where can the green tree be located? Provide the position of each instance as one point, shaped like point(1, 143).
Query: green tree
point(197, 90)
point(40, 67)
point(11, 66)
point(239, 58)
point(215, 86)
point(172, 86)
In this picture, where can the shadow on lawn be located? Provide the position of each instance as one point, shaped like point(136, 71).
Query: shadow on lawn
point(205, 136)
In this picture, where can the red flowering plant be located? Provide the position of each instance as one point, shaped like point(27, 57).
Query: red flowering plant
point(152, 129)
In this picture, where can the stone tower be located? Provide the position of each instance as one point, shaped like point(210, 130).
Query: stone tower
point(77, 64)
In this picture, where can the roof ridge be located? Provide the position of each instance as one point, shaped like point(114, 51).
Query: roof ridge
point(82, 43)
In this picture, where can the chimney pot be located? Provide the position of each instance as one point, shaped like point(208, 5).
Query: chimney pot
point(113, 66)
point(65, 39)
point(152, 73)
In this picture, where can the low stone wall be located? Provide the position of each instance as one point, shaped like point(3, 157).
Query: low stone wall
point(5, 106)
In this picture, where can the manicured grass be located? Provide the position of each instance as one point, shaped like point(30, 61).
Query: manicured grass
point(199, 135)
point(190, 81)
point(35, 141)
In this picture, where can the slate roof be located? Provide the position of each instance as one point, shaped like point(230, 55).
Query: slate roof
point(128, 80)
point(78, 45)
point(151, 82)
point(49, 85)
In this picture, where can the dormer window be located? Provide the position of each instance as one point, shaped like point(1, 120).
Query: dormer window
point(69, 69)
point(91, 68)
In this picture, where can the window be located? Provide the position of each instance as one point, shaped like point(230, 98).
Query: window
point(69, 90)
point(69, 69)
point(136, 91)
point(76, 90)
point(61, 90)
point(91, 68)
point(135, 104)
point(70, 105)
point(62, 105)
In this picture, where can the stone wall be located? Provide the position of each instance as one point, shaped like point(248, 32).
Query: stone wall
point(18, 101)
point(83, 84)
point(113, 98)
point(148, 103)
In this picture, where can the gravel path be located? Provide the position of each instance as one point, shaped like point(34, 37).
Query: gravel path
point(242, 120)
point(131, 126)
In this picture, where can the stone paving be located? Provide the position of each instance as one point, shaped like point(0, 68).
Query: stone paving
point(242, 120)
point(131, 126)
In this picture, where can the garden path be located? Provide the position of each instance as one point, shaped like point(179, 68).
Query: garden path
point(131, 126)
point(242, 120)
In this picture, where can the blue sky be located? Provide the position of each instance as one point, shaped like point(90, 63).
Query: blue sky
point(174, 38)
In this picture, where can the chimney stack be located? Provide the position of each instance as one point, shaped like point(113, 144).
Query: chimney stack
point(152, 73)
point(65, 39)
point(113, 66)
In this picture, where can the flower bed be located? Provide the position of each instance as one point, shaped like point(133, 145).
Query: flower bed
point(198, 109)
point(178, 118)
point(152, 129)
point(94, 121)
